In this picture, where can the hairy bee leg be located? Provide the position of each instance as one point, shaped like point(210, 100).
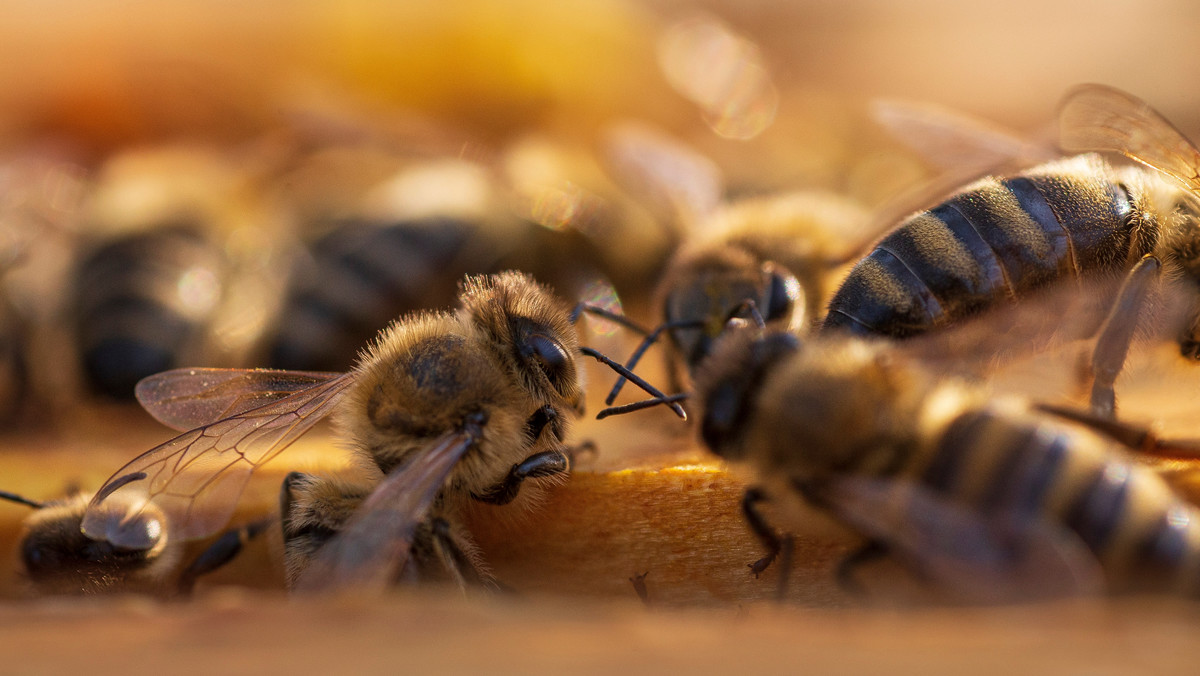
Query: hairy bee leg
point(454, 558)
point(546, 463)
point(763, 530)
point(1112, 345)
point(221, 552)
point(873, 550)
point(1189, 338)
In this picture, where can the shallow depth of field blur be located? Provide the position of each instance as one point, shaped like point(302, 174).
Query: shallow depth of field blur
point(274, 123)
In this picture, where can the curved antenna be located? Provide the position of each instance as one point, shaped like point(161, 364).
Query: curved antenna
point(21, 500)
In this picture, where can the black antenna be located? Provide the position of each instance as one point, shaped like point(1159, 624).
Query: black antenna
point(636, 380)
point(606, 314)
point(639, 405)
point(649, 340)
point(20, 500)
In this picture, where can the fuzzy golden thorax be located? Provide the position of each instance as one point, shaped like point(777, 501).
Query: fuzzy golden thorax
point(844, 406)
point(422, 380)
point(811, 410)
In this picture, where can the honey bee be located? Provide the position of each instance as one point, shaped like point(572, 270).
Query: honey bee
point(1002, 238)
point(994, 499)
point(175, 266)
point(404, 227)
point(57, 558)
point(764, 258)
point(442, 408)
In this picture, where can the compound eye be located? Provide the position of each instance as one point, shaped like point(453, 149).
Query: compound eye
point(782, 296)
point(36, 557)
point(549, 355)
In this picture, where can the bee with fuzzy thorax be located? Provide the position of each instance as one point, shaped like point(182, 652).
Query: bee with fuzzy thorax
point(389, 225)
point(443, 408)
point(992, 499)
point(764, 257)
point(1002, 238)
point(178, 263)
point(57, 558)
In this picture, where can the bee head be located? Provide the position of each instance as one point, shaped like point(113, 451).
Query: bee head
point(712, 287)
point(731, 381)
point(529, 329)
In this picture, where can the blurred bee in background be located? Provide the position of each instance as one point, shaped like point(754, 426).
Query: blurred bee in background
point(763, 257)
point(393, 216)
point(14, 375)
point(57, 558)
point(443, 408)
point(1003, 238)
point(40, 189)
point(180, 263)
point(991, 499)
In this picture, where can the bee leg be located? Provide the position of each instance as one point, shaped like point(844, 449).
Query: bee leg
point(763, 530)
point(221, 552)
point(1116, 333)
point(546, 463)
point(639, 587)
point(746, 309)
point(587, 447)
point(1134, 437)
point(873, 550)
point(786, 549)
point(454, 557)
point(1189, 338)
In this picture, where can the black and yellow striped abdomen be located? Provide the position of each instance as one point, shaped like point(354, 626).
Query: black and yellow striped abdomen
point(1028, 468)
point(995, 240)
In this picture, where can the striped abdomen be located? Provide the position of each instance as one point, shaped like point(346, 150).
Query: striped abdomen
point(142, 304)
point(996, 240)
point(361, 276)
point(1032, 468)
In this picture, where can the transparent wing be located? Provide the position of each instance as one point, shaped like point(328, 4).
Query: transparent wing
point(373, 548)
point(954, 141)
point(186, 398)
point(980, 558)
point(197, 477)
point(1097, 117)
point(1051, 318)
point(670, 176)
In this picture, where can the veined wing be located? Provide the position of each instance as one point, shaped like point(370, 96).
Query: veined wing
point(675, 180)
point(197, 477)
point(371, 551)
point(954, 141)
point(186, 398)
point(1097, 117)
point(978, 557)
